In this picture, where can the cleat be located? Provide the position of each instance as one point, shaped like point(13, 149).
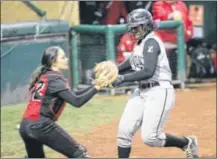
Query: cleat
point(191, 150)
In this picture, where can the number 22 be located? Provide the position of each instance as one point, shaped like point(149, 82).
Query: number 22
point(37, 92)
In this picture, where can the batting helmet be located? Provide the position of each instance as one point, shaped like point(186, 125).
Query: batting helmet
point(137, 18)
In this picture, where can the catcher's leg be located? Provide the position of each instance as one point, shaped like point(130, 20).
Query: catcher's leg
point(33, 148)
point(130, 122)
point(65, 144)
point(53, 136)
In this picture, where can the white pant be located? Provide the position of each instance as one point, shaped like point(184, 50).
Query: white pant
point(149, 110)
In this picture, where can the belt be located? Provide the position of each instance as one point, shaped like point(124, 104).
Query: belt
point(148, 85)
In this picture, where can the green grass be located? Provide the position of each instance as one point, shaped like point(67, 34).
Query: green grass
point(99, 110)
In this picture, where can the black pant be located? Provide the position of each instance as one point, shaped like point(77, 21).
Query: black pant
point(45, 131)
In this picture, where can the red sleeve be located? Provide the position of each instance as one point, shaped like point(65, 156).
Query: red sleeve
point(188, 24)
point(123, 10)
point(120, 56)
point(158, 11)
point(121, 48)
point(188, 29)
point(184, 7)
point(126, 44)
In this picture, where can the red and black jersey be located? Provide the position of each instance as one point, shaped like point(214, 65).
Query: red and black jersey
point(44, 98)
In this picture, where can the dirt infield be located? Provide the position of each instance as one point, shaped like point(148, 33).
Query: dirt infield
point(194, 114)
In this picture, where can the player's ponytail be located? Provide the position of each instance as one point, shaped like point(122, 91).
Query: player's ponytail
point(48, 57)
point(36, 75)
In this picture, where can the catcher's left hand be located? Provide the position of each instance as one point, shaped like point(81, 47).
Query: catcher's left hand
point(106, 73)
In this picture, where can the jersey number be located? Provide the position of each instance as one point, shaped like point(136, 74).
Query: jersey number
point(37, 93)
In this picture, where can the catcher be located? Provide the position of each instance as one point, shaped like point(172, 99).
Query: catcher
point(49, 92)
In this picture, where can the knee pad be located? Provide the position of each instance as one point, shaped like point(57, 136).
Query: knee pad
point(81, 152)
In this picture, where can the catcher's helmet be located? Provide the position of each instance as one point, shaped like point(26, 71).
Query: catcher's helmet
point(140, 17)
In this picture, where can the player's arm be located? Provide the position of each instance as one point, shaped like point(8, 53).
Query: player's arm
point(58, 88)
point(124, 66)
point(81, 91)
point(77, 100)
point(150, 62)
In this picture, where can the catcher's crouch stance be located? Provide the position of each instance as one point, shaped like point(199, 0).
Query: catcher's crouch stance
point(150, 106)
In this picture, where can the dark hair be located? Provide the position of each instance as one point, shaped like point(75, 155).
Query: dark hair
point(49, 56)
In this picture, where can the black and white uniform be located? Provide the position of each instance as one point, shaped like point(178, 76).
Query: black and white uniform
point(149, 107)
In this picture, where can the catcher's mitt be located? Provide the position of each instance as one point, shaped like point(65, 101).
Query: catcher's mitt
point(106, 73)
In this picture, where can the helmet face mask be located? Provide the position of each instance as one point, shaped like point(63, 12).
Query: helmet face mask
point(137, 32)
point(140, 23)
